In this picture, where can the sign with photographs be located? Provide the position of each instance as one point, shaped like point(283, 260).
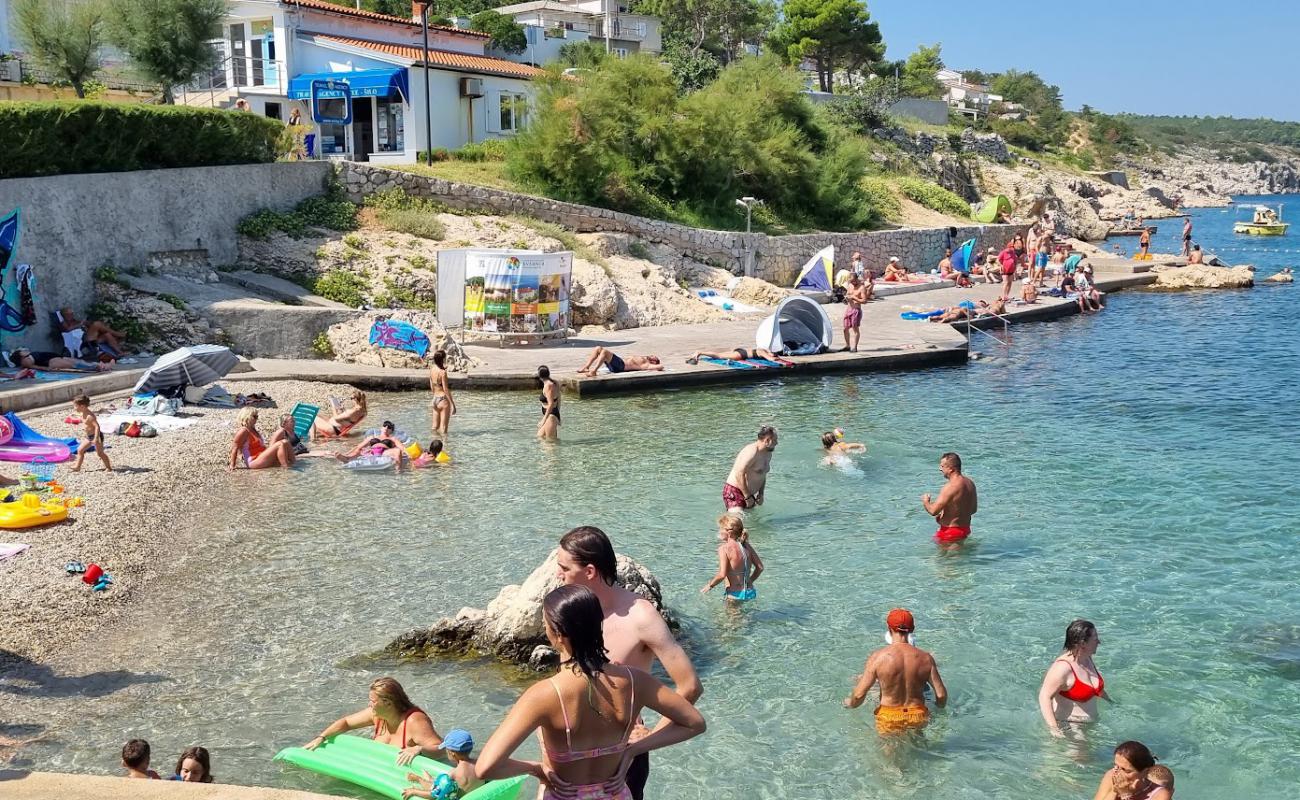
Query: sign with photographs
point(517, 292)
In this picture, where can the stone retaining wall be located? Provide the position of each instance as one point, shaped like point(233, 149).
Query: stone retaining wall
point(772, 258)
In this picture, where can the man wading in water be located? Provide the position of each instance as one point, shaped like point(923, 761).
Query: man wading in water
point(956, 504)
point(748, 476)
point(635, 633)
point(902, 670)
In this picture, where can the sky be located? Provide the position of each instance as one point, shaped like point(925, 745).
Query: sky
point(1195, 57)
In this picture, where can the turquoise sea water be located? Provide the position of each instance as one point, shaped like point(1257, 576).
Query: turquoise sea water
point(1134, 467)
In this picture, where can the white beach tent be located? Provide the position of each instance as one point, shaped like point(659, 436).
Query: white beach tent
point(799, 327)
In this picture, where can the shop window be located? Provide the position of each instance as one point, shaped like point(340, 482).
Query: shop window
point(390, 124)
point(333, 139)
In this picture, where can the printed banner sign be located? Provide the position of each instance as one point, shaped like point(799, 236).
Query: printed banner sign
point(521, 293)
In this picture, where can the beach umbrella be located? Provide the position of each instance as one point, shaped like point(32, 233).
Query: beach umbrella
point(188, 366)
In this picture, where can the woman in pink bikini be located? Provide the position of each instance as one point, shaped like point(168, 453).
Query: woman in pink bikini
point(395, 720)
point(1073, 683)
point(586, 713)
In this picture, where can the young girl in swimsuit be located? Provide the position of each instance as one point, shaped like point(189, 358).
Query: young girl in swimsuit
point(1072, 684)
point(738, 562)
point(395, 721)
point(443, 404)
point(549, 427)
point(586, 713)
point(344, 421)
point(194, 766)
point(252, 449)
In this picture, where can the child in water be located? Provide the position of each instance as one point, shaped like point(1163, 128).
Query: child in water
point(834, 444)
point(738, 562)
point(135, 759)
point(194, 766)
point(432, 455)
point(448, 785)
point(94, 436)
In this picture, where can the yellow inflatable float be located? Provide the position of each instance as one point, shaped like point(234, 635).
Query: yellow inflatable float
point(29, 511)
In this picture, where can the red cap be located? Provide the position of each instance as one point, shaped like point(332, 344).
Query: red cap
point(900, 619)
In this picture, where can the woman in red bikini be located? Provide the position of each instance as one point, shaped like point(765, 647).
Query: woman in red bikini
point(394, 719)
point(1072, 685)
point(585, 713)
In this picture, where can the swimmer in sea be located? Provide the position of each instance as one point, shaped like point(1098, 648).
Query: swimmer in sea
point(834, 445)
point(432, 456)
point(387, 439)
point(903, 671)
point(748, 477)
point(394, 721)
point(738, 562)
point(956, 504)
point(1073, 683)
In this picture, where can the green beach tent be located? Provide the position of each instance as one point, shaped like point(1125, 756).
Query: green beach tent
point(989, 210)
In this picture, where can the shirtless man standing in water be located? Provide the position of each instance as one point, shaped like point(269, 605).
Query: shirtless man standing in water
point(902, 670)
point(956, 503)
point(748, 476)
point(635, 633)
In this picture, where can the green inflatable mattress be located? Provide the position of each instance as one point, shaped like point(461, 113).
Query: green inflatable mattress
point(372, 765)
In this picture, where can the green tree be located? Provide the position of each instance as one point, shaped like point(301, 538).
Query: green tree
point(506, 34)
point(1027, 89)
point(977, 76)
point(168, 40)
point(920, 74)
point(720, 27)
point(63, 37)
point(396, 8)
point(838, 36)
point(583, 55)
point(692, 69)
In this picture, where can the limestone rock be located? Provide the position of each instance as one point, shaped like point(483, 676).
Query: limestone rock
point(757, 292)
point(1201, 276)
point(593, 297)
point(165, 326)
point(350, 341)
point(989, 145)
point(1284, 276)
point(511, 627)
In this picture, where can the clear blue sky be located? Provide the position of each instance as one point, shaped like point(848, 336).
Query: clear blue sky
point(1196, 57)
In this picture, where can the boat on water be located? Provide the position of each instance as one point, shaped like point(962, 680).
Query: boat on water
point(1266, 222)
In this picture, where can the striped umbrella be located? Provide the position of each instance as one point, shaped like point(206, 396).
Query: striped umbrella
point(188, 366)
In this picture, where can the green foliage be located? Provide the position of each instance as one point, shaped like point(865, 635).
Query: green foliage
point(62, 36)
point(692, 68)
point(437, 154)
point(866, 107)
point(880, 194)
point(418, 261)
point(321, 345)
point(330, 210)
point(919, 77)
point(70, 137)
point(395, 296)
point(507, 35)
point(1047, 123)
point(1187, 131)
point(977, 77)
point(354, 241)
point(412, 222)
point(108, 274)
point(1027, 89)
point(1020, 133)
point(622, 138)
point(934, 197)
point(168, 40)
point(637, 249)
point(583, 55)
point(487, 150)
point(715, 29)
point(172, 300)
point(341, 286)
point(838, 36)
point(111, 315)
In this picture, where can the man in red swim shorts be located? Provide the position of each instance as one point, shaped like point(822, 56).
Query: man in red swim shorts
point(956, 504)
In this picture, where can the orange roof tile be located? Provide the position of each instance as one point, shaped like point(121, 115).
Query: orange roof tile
point(319, 5)
point(441, 58)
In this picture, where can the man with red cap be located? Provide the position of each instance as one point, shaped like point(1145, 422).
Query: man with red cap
point(956, 504)
point(903, 671)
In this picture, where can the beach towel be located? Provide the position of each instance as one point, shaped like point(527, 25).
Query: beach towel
point(728, 362)
point(159, 422)
point(763, 362)
point(11, 549)
point(915, 315)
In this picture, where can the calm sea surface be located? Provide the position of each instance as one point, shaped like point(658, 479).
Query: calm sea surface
point(1135, 468)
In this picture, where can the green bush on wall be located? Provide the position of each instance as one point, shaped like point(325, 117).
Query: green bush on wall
point(69, 137)
point(934, 197)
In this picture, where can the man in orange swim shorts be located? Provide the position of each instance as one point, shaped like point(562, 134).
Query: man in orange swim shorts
point(903, 671)
point(956, 504)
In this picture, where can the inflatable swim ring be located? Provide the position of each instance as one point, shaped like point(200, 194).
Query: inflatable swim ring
point(443, 458)
point(6, 430)
point(371, 463)
point(31, 511)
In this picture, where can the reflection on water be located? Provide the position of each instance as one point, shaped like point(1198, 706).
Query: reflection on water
point(1129, 473)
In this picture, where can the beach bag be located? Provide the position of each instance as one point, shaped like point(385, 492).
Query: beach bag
point(132, 429)
point(194, 394)
point(146, 431)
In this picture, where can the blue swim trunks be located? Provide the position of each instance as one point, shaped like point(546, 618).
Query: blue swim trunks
point(616, 364)
point(742, 595)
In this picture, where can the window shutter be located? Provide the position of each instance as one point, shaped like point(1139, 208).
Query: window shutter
point(492, 112)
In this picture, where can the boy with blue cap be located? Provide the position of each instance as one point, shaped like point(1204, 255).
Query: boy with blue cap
point(460, 781)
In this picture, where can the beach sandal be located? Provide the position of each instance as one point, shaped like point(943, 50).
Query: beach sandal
point(692, 361)
point(74, 568)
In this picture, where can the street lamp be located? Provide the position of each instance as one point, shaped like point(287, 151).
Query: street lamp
point(428, 112)
point(748, 204)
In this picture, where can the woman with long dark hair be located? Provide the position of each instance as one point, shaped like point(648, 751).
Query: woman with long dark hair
point(549, 427)
point(394, 720)
point(1073, 683)
point(586, 712)
point(443, 403)
point(1128, 780)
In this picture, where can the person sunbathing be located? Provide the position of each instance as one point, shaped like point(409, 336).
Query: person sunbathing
point(387, 439)
point(604, 357)
point(38, 359)
point(895, 272)
point(342, 421)
point(738, 354)
point(97, 332)
point(1029, 292)
point(954, 314)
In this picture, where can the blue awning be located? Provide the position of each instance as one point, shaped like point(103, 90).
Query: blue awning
point(363, 82)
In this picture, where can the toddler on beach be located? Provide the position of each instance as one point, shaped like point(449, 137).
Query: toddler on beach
point(462, 779)
point(94, 436)
point(135, 759)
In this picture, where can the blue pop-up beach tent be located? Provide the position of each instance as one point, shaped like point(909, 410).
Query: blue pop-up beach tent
point(818, 274)
point(963, 256)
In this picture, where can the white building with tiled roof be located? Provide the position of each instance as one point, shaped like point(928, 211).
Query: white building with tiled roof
point(272, 52)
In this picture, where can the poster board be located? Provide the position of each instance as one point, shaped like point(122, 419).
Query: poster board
point(505, 293)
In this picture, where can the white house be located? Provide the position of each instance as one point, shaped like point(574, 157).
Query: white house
point(551, 24)
point(271, 52)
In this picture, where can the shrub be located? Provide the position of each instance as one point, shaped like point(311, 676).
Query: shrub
point(637, 249)
point(330, 210)
point(880, 194)
point(172, 300)
point(354, 241)
point(108, 274)
point(134, 329)
point(418, 261)
point(341, 287)
point(439, 154)
point(488, 150)
point(321, 345)
point(410, 221)
point(395, 296)
point(67, 137)
point(934, 197)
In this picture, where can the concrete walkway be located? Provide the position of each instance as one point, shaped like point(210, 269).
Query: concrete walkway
point(19, 785)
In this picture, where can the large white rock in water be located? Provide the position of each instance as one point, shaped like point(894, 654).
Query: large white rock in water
point(511, 626)
point(1280, 277)
point(1203, 276)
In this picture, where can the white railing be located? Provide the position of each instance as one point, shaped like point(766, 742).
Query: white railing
point(221, 80)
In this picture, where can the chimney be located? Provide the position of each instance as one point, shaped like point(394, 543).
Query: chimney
point(415, 10)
